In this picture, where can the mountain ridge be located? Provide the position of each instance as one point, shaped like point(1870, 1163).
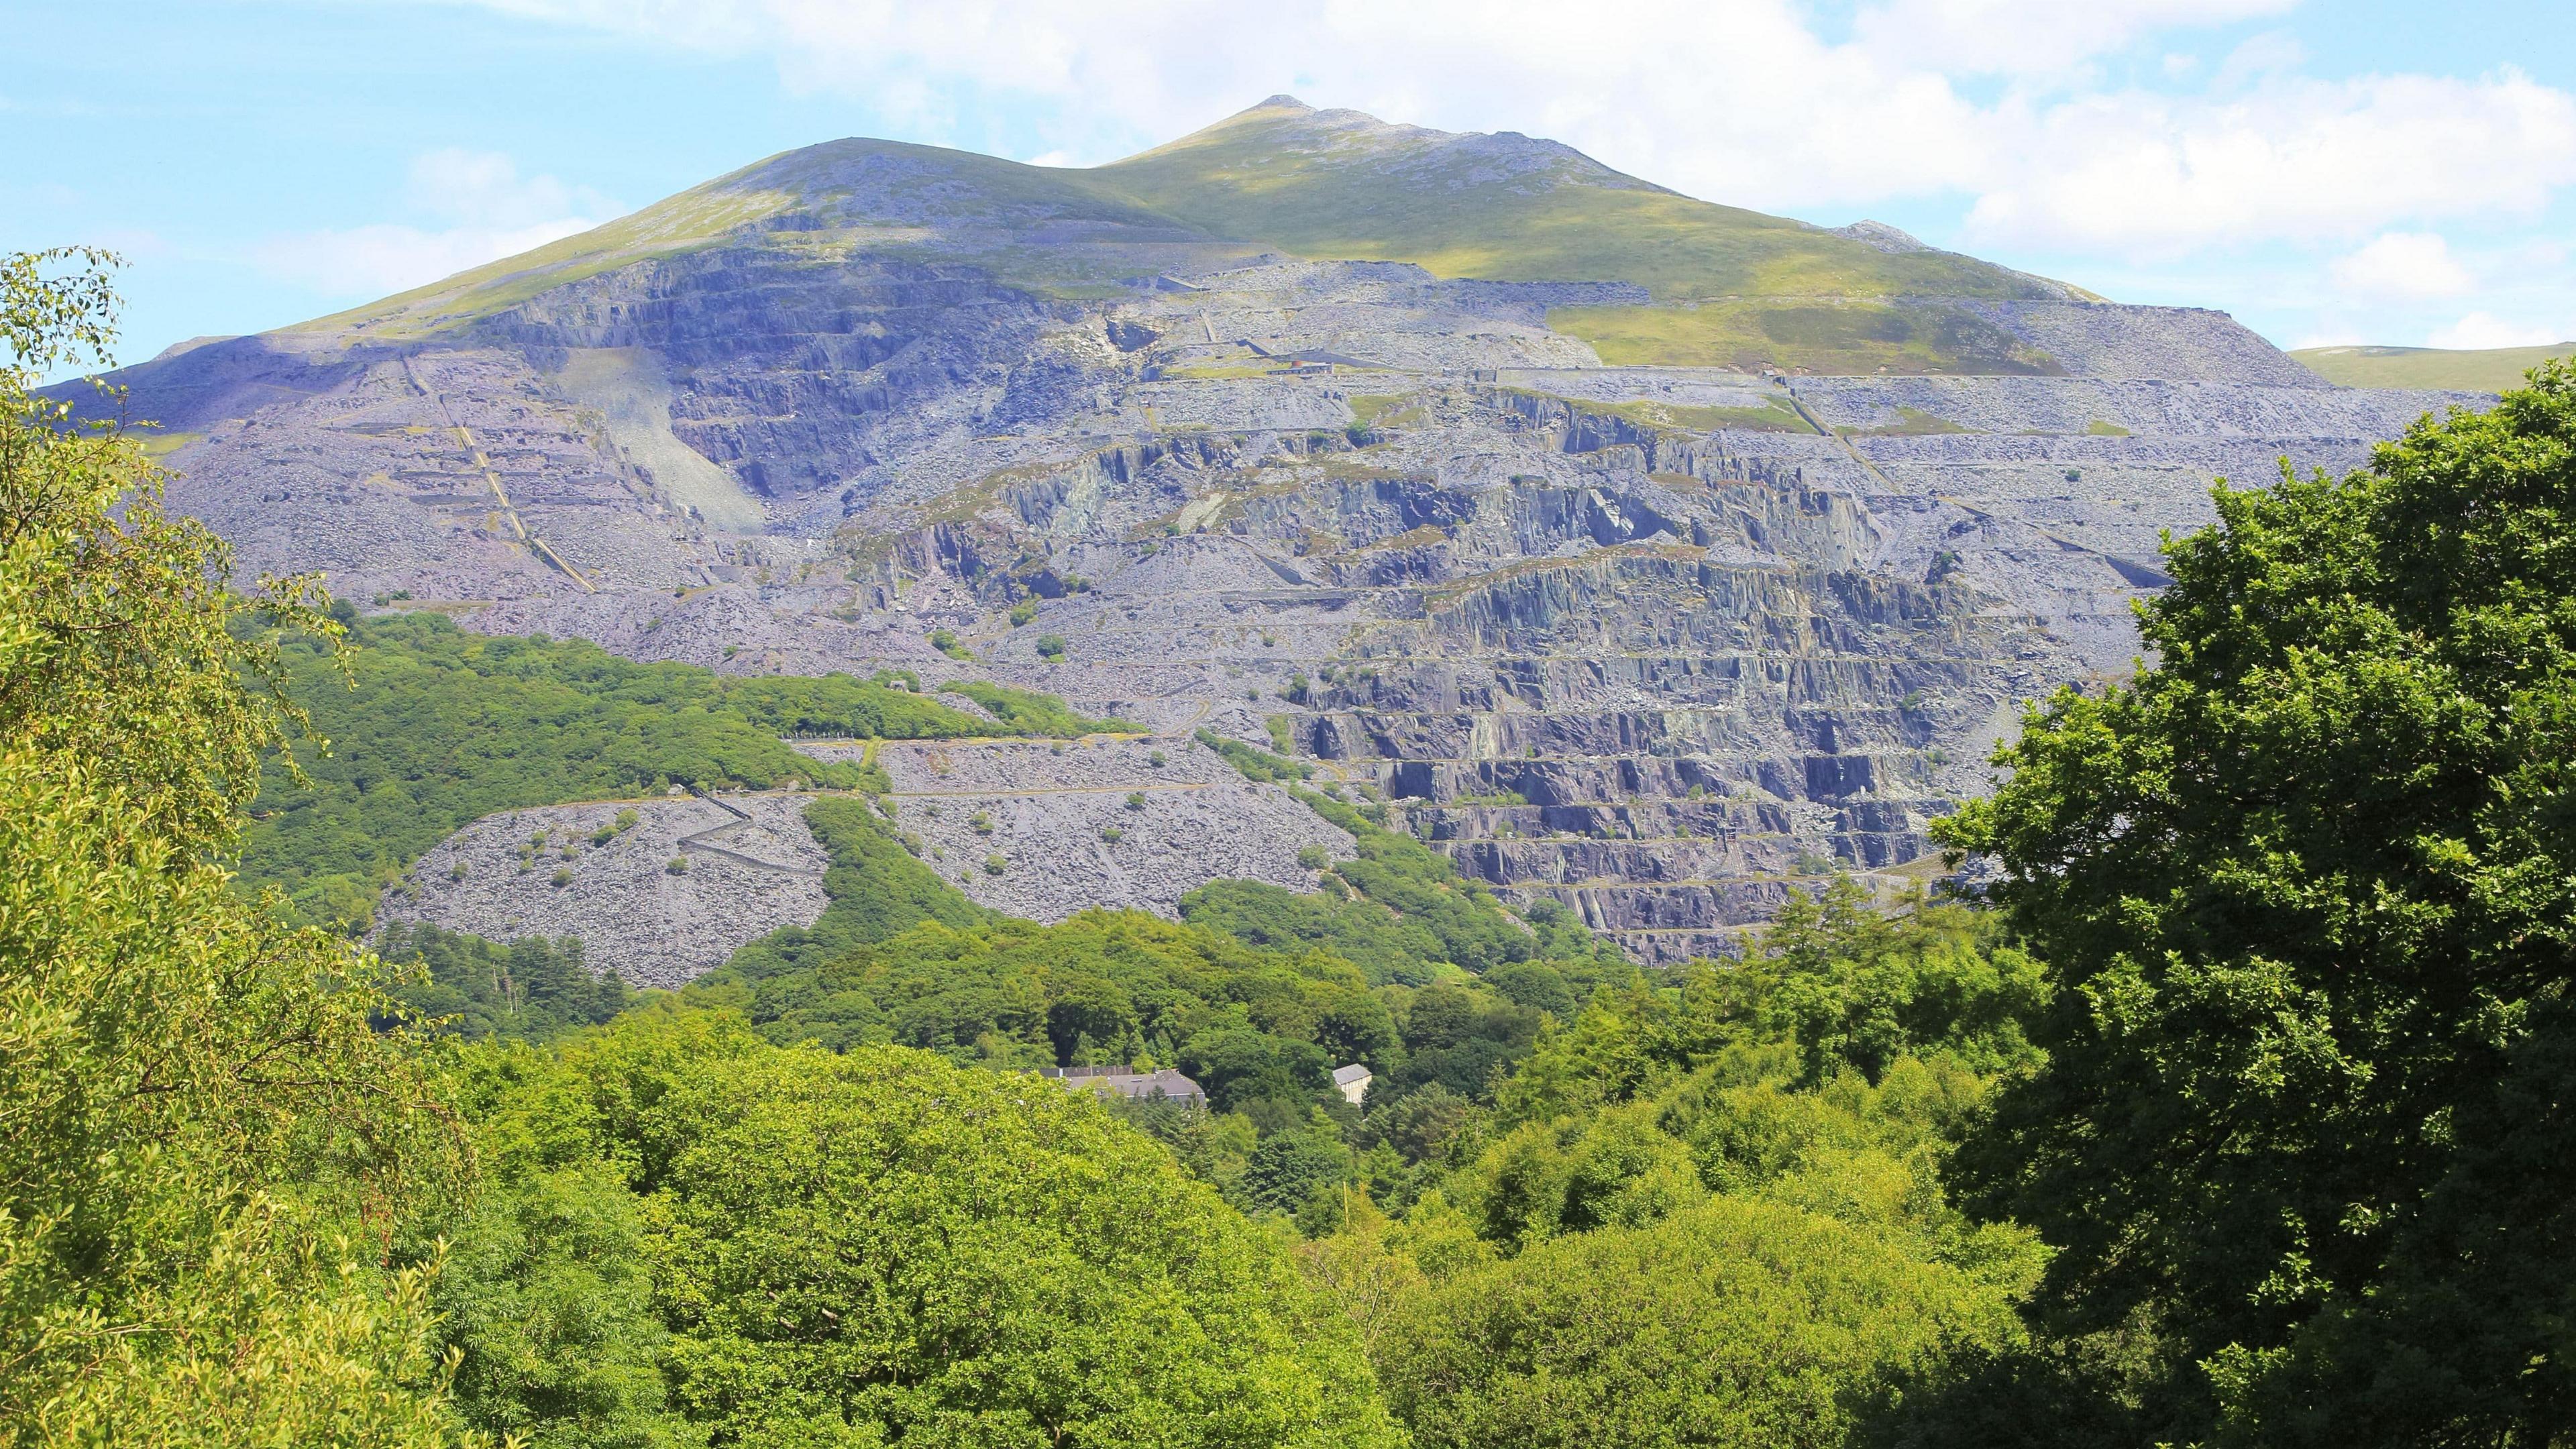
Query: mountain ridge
point(1404, 194)
point(1650, 604)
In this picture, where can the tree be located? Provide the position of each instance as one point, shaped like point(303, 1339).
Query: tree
point(879, 1246)
point(1736, 1323)
point(211, 1168)
point(2306, 892)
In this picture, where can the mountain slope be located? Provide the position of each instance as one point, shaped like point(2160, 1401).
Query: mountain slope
point(1752, 288)
point(1344, 186)
point(827, 198)
point(1315, 433)
point(2493, 369)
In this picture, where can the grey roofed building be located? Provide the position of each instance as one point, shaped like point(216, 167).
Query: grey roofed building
point(1126, 1081)
point(1352, 1081)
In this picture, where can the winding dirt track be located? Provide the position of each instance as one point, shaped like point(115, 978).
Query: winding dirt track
point(700, 840)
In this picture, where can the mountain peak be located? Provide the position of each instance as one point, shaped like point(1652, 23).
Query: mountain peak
point(1280, 102)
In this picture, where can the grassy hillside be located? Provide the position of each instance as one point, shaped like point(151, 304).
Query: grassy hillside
point(2491, 369)
point(1334, 184)
point(862, 193)
point(1731, 286)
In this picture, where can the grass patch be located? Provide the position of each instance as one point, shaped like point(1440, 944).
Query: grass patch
point(1218, 371)
point(1402, 911)
point(1852, 338)
point(1776, 415)
point(1255, 763)
point(1027, 712)
point(1368, 410)
point(2496, 369)
point(877, 890)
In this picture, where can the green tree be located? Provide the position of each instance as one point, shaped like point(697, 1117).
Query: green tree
point(1740, 1323)
point(532, 987)
point(1705, 1211)
point(880, 1246)
point(2306, 892)
point(212, 1169)
point(546, 1297)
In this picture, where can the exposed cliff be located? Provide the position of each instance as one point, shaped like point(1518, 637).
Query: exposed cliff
point(1314, 431)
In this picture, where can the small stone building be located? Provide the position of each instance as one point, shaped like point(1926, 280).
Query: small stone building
point(1127, 1081)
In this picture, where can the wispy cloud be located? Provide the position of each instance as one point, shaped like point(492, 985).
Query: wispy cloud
point(2099, 136)
point(2478, 329)
point(2141, 173)
point(479, 209)
point(2405, 266)
point(1740, 100)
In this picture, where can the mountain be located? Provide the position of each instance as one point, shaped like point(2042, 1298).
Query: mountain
point(2489, 369)
point(1726, 285)
point(1645, 555)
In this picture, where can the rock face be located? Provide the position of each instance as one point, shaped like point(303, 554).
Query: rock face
point(752, 868)
point(1656, 642)
point(1039, 832)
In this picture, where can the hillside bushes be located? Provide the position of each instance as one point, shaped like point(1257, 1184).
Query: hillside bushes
point(434, 727)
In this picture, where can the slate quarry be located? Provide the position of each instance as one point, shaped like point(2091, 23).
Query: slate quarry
point(1658, 640)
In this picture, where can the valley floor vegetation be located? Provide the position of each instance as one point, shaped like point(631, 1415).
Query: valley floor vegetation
point(2236, 1112)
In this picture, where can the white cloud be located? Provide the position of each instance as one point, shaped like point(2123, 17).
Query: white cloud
point(2403, 265)
point(1744, 101)
point(484, 188)
point(2138, 173)
point(2033, 37)
point(370, 261)
point(489, 209)
point(2478, 330)
point(2257, 57)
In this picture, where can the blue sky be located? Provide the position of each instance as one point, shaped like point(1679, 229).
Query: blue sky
point(2365, 171)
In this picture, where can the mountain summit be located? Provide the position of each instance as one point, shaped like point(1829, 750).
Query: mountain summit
point(1639, 552)
point(1721, 284)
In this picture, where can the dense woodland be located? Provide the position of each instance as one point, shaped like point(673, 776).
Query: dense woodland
point(2236, 1111)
